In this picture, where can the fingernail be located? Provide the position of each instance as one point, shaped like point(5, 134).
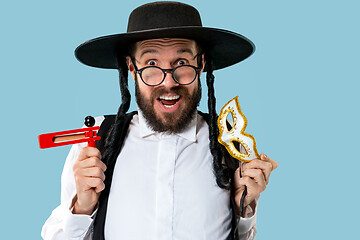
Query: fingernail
point(265, 156)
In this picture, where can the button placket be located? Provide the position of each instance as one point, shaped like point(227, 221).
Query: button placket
point(165, 188)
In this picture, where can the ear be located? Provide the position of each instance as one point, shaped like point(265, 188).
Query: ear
point(130, 66)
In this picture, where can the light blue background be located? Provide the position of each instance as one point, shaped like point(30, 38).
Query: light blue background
point(299, 92)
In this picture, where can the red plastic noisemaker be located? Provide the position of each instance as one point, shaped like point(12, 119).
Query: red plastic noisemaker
point(56, 139)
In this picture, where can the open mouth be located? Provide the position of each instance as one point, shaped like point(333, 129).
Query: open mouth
point(169, 101)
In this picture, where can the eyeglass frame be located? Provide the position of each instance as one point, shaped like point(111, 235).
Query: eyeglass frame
point(171, 70)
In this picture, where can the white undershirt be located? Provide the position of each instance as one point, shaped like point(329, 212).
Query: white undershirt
point(163, 187)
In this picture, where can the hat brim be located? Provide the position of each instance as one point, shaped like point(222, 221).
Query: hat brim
point(224, 47)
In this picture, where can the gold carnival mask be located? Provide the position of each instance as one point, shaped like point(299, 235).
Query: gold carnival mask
point(236, 133)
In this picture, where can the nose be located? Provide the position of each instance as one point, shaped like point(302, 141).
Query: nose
point(169, 81)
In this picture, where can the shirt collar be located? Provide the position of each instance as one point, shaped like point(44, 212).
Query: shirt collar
point(189, 133)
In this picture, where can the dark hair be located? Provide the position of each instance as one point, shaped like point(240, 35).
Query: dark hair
point(112, 148)
point(223, 165)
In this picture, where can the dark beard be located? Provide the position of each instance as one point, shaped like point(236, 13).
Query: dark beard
point(173, 124)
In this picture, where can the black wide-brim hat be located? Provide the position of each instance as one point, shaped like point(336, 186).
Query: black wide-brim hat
point(166, 20)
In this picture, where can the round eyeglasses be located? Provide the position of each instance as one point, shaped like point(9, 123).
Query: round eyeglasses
point(154, 76)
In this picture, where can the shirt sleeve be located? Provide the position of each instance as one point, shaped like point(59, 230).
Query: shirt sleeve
point(62, 224)
point(247, 225)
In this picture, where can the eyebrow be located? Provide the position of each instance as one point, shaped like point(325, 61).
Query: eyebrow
point(180, 51)
point(185, 50)
point(148, 51)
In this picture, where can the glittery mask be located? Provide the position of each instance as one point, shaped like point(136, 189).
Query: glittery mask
point(236, 133)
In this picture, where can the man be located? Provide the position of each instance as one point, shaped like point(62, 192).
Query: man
point(161, 173)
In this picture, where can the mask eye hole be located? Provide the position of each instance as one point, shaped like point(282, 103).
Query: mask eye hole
point(238, 145)
point(229, 121)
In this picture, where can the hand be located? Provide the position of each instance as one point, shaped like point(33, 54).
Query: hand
point(89, 177)
point(255, 175)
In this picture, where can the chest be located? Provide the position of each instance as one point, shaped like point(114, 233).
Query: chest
point(167, 188)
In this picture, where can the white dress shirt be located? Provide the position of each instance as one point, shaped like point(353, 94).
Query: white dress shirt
point(163, 188)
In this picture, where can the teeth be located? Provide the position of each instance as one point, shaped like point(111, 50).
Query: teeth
point(169, 97)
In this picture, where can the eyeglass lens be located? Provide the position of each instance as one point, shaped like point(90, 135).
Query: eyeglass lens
point(154, 76)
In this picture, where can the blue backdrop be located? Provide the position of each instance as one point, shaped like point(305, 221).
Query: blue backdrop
point(299, 92)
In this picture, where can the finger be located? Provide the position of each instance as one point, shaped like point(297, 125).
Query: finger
point(264, 157)
point(257, 175)
point(95, 183)
point(265, 167)
point(252, 189)
point(94, 172)
point(100, 187)
point(248, 182)
point(239, 183)
point(88, 152)
point(92, 162)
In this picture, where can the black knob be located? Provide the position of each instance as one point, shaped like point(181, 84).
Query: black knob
point(89, 121)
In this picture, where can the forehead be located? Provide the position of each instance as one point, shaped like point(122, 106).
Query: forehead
point(166, 45)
